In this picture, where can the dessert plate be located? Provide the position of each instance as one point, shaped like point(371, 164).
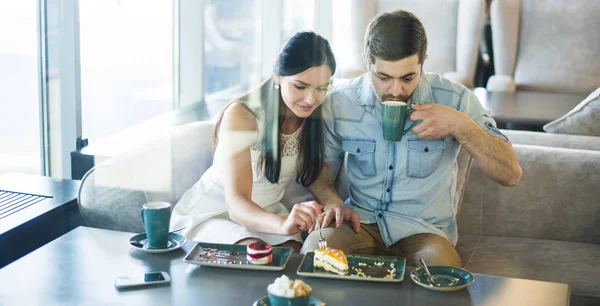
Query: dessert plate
point(361, 268)
point(446, 278)
point(234, 256)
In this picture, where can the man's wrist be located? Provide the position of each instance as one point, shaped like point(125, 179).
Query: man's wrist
point(466, 130)
point(333, 204)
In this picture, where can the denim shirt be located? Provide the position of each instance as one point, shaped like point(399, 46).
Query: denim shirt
point(406, 187)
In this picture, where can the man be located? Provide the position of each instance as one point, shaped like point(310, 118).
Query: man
point(403, 194)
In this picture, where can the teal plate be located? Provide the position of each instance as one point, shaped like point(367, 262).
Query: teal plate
point(234, 256)
point(264, 301)
point(140, 242)
point(361, 268)
point(446, 278)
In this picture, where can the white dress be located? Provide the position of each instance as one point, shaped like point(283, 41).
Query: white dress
point(204, 211)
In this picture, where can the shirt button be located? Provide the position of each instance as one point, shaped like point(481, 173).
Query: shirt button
point(380, 215)
point(357, 150)
point(390, 167)
point(388, 190)
point(426, 149)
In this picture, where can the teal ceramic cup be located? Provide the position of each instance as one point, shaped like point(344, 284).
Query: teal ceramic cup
point(156, 217)
point(275, 300)
point(393, 118)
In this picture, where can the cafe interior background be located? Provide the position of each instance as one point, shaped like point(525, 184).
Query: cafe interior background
point(84, 81)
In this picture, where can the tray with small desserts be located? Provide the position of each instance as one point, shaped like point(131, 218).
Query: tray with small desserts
point(256, 256)
point(332, 263)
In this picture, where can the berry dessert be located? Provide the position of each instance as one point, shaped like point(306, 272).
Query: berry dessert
point(259, 253)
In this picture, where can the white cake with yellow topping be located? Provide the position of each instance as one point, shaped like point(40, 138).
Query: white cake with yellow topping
point(331, 260)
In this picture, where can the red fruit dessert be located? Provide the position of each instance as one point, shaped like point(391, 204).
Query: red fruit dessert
point(259, 253)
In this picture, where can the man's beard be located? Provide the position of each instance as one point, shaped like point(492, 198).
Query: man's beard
point(389, 97)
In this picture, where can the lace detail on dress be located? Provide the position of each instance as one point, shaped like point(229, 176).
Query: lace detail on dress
point(291, 143)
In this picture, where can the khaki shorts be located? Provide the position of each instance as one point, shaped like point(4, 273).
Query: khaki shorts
point(434, 249)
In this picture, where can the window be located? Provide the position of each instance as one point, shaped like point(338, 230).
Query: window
point(348, 26)
point(232, 45)
point(126, 58)
point(298, 15)
point(19, 94)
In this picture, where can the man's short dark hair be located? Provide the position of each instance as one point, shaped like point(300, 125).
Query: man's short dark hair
point(394, 36)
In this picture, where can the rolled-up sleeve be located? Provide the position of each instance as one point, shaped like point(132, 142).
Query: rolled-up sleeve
point(471, 106)
point(333, 143)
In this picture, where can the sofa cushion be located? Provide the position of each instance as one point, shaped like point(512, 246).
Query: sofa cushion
point(553, 140)
point(464, 160)
point(465, 247)
point(160, 169)
point(190, 159)
point(584, 119)
point(558, 190)
point(110, 206)
point(571, 263)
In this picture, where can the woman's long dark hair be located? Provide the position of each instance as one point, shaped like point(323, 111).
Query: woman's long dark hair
point(302, 51)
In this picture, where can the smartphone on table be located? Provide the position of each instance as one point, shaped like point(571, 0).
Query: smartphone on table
point(147, 279)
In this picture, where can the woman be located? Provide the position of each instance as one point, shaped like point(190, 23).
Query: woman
point(264, 139)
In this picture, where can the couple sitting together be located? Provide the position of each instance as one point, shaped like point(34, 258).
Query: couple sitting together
point(403, 197)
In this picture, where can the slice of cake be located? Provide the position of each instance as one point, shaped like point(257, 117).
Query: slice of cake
point(259, 253)
point(331, 260)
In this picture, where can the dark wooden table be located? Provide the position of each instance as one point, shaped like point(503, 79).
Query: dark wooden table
point(79, 269)
point(526, 109)
point(34, 210)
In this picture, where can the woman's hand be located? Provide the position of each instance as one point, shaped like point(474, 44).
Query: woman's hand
point(302, 217)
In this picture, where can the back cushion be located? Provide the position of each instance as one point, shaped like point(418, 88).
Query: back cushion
point(192, 149)
point(559, 46)
point(584, 119)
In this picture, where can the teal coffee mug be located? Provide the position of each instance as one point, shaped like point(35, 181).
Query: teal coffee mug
point(393, 119)
point(275, 300)
point(156, 217)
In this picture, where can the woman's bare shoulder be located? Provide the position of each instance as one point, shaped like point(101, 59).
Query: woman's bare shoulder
point(238, 117)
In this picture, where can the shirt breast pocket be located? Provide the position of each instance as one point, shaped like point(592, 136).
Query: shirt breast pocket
point(362, 153)
point(423, 157)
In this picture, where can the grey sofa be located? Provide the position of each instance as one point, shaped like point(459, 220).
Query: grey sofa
point(546, 228)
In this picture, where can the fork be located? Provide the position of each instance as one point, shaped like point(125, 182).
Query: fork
point(322, 242)
point(429, 277)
